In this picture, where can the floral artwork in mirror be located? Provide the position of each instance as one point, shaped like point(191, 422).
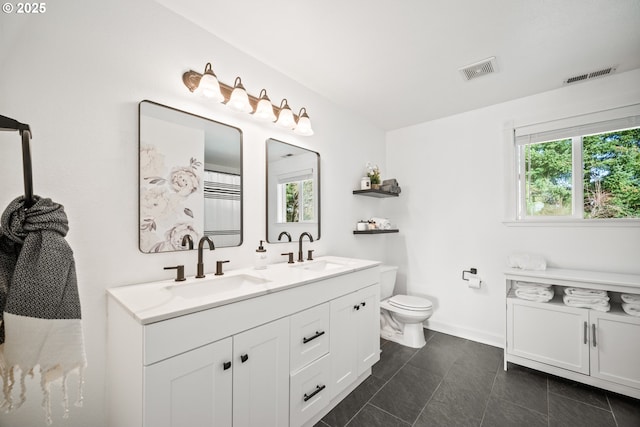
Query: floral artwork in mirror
point(190, 180)
point(293, 191)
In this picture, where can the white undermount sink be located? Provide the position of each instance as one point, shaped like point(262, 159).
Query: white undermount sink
point(321, 265)
point(215, 286)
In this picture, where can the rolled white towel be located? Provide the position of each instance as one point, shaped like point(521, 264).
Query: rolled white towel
point(382, 223)
point(586, 299)
point(537, 297)
point(631, 309)
point(532, 285)
point(600, 304)
point(584, 292)
point(630, 298)
point(527, 262)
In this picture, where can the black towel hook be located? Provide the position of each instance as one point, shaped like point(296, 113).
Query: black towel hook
point(25, 132)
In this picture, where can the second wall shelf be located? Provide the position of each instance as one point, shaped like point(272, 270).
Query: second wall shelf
point(375, 231)
point(375, 193)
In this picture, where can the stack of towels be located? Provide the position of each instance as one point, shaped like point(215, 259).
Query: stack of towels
point(587, 298)
point(631, 304)
point(534, 291)
point(391, 186)
point(381, 223)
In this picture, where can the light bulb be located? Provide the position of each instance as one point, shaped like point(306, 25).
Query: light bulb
point(239, 100)
point(285, 118)
point(304, 124)
point(209, 85)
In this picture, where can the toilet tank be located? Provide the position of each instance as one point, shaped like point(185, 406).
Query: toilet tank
point(387, 280)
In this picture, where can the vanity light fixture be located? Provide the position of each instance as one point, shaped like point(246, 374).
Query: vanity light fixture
point(264, 109)
point(285, 117)
point(238, 99)
point(304, 124)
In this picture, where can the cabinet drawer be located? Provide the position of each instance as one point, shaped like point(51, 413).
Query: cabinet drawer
point(309, 336)
point(310, 391)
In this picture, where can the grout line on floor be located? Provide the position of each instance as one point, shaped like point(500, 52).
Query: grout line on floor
point(615, 420)
point(548, 404)
point(486, 405)
point(387, 412)
point(580, 401)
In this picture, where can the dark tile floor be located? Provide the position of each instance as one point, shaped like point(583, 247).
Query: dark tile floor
point(456, 382)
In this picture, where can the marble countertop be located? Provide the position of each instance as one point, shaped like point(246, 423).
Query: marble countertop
point(161, 300)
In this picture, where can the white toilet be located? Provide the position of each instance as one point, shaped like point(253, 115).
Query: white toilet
point(401, 316)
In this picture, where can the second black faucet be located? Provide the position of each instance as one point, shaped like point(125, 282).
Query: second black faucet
point(200, 273)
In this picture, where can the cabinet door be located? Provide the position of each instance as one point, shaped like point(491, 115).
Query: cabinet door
point(343, 342)
point(549, 333)
point(261, 376)
point(191, 389)
point(615, 346)
point(368, 327)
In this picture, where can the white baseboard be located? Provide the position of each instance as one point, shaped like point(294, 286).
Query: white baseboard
point(466, 333)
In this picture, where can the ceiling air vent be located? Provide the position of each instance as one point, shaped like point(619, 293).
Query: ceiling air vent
point(591, 75)
point(481, 68)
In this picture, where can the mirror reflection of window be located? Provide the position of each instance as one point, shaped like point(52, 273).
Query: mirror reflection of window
point(296, 201)
point(293, 191)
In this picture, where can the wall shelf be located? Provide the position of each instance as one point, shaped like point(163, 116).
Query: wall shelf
point(375, 231)
point(375, 193)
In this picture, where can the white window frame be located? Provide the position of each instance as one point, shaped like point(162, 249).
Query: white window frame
point(295, 177)
point(519, 136)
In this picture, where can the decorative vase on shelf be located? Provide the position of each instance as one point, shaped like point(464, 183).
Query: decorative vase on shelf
point(375, 186)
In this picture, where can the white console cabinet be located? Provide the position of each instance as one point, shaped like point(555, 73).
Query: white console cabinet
point(589, 346)
point(260, 361)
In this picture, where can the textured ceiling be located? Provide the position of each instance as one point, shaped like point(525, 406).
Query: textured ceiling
point(396, 62)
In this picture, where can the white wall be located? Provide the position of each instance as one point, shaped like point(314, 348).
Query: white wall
point(452, 208)
point(76, 75)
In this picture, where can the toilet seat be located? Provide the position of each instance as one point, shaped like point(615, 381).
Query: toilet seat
point(409, 302)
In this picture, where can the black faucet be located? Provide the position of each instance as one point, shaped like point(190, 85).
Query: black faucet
point(200, 274)
point(284, 233)
point(300, 257)
point(186, 239)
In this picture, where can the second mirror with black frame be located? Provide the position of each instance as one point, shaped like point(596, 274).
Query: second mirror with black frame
point(190, 180)
point(293, 191)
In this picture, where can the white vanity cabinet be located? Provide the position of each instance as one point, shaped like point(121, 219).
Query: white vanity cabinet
point(589, 346)
point(265, 360)
point(355, 337)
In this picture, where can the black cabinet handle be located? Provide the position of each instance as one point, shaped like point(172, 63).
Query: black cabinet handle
point(593, 334)
point(318, 389)
point(244, 358)
point(586, 328)
point(318, 334)
point(226, 365)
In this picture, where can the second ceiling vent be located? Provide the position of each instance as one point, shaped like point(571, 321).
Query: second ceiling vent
point(591, 75)
point(480, 68)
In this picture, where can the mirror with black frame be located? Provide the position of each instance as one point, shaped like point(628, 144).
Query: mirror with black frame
point(293, 192)
point(190, 180)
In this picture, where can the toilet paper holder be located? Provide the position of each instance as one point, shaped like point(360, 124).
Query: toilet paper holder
point(472, 270)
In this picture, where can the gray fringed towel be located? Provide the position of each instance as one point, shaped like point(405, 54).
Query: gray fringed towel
point(39, 303)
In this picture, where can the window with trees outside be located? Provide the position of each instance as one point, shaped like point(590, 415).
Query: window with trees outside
point(589, 171)
point(296, 201)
